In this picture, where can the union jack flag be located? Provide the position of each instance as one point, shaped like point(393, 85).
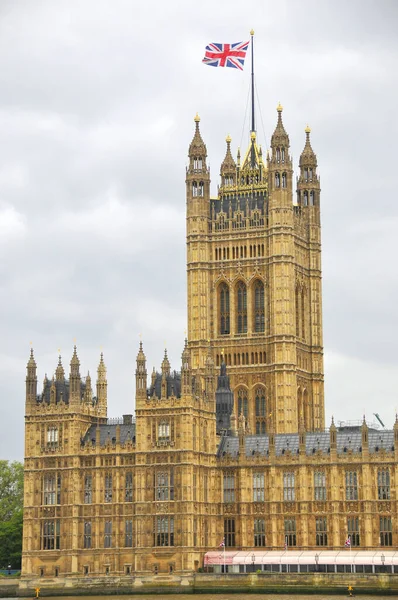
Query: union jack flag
point(226, 55)
point(348, 542)
point(222, 545)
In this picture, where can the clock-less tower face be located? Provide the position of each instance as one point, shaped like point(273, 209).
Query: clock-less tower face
point(254, 280)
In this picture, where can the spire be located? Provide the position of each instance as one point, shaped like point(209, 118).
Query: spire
point(197, 146)
point(101, 371)
point(165, 364)
point(308, 156)
point(31, 362)
point(88, 392)
point(31, 379)
point(228, 165)
point(186, 375)
point(74, 363)
point(59, 372)
point(102, 388)
point(141, 375)
point(279, 138)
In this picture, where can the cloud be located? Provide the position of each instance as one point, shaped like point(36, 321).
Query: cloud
point(96, 115)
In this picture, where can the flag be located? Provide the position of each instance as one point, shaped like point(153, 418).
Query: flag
point(226, 55)
point(348, 542)
point(222, 545)
point(285, 543)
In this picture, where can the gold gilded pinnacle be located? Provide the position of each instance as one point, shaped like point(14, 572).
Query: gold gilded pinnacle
point(228, 139)
point(279, 108)
point(197, 118)
point(251, 31)
point(307, 129)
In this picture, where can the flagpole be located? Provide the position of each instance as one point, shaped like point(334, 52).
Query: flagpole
point(252, 77)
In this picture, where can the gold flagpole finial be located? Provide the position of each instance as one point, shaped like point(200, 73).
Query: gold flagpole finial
point(251, 31)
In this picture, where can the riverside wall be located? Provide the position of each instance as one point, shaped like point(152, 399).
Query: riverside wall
point(263, 583)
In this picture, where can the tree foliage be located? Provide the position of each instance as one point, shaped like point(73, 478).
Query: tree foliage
point(11, 513)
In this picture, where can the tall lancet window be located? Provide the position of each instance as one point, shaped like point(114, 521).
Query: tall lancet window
point(224, 310)
point(241, 315)
point(284, 180)
point(201, 189)
point(259, 315)
point(277, 180)
point(194, 188)
point(243, 403)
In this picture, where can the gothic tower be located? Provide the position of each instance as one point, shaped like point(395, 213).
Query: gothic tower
point(254, 280)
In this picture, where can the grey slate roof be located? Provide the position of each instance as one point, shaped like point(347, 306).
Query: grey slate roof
point(108, 432)
point(350, 439)
point(173, 385)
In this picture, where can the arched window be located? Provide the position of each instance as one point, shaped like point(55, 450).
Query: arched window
point(306, 198)
point(283, 155)
point(298, 313)
point(224, 310)
point(277, 180)
point(312, 198)
point(194, 188)
point(260, 408)
point(200, 189)
point(303, 307)
point(278, 154)
point(284, 180)
point(259, 315)
point(243, 404)
point(241, 313)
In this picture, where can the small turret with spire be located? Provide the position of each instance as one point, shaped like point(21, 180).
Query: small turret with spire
point(59, 371)
point(31, 381)
point(308, 185)
point(74, 378)
point(228, 167)
point(88, 392)
point(186, 373)
point(102, 388)
point(165, 374)
point(280, 163)
point(141, 375)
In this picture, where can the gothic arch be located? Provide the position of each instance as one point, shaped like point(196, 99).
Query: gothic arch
point(242, 400)
point(224, 308)
point(240, 288)
point(258, 301)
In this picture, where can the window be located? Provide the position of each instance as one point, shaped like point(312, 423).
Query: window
point(284, 180)
point(195, 532)
point(108, 488)
point(290, 532)
point(319, 485)
point(229, 487)
point(385, 531)
point(383, 484)
point(164, 431)
point(258, 487)
point(243, 404)
point(164, 485)
point(87, 534)
point(351, 485)
point(277, 180)
point(229, 533)
point(51, 535)
point(108, 534)
point(259, 313)
point(52, 436)
point(128, 534)
point(164, 531)
point(353, 531)
point(321, 538)
point(288, 487)
point(194, 488)
point(88, 489)
point(260, 410)
point(205, 488)
point(224, 310)
point(241, 314)
point(128, 491)
point(52, 489)
point(259, 532)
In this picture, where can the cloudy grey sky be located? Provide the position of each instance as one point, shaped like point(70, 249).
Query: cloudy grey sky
point(97, 100)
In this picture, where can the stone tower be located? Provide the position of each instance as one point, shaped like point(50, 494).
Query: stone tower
point(254, 280)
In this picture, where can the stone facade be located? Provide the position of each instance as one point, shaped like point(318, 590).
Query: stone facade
point(233, 446)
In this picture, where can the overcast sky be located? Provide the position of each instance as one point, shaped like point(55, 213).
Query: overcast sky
point(97, 100)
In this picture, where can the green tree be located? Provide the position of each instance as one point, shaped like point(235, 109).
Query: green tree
point(11, 513)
